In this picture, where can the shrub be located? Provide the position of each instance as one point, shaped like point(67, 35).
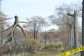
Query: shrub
point(51, 46)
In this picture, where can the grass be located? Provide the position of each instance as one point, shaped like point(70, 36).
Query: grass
point(41, 54)
point(48, 50)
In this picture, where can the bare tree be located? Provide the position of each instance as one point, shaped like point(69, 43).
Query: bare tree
point(3, 23)
point(66, 21)
point(75, 36)
point(63, 21)
point(35, 24)
point(52, 35)
point(74, 15)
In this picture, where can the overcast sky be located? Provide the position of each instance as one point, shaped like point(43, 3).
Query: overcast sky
point(28, 8)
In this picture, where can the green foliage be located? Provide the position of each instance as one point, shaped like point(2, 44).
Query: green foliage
point(67, 48)
point(51, 46)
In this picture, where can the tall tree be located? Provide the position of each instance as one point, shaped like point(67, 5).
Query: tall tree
point(35, 24)
point(64, 21)
point(75, 36)
point(82, 52)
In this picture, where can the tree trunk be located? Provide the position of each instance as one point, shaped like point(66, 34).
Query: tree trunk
point(82, 52)
point(49, 40)
point(75, 37)
point(74, 27)
point(70, 35)
point(45, 37)
point(2, 34)
point(34, 32)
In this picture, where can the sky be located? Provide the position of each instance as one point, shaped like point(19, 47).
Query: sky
point(29, 8)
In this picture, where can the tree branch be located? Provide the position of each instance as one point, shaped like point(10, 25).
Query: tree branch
point(22, 30)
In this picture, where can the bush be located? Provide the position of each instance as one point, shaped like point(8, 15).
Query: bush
point(67, 48)
point(51, 46)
